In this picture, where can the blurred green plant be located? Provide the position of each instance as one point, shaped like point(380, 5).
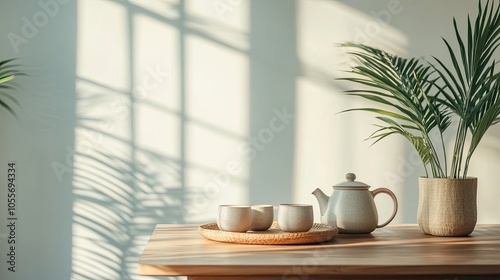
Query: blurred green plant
point(8, 73)
point(420, 98)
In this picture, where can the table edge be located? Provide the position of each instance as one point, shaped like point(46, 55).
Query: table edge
point(340, 270)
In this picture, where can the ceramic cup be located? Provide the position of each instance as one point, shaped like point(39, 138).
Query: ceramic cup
point(235, 218)
point(262, 217)
point(295, 217)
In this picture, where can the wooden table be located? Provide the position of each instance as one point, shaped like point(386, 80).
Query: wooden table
point(388, 253)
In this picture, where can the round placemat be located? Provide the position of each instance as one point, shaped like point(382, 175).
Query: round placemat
point(273, 236)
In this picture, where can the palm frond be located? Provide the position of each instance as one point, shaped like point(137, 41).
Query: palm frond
point(8, 73)
point(419, 143)
point(421, 97)
point(401, 85)
point(470, 90)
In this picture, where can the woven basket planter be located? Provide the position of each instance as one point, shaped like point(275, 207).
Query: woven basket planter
point(447, 207)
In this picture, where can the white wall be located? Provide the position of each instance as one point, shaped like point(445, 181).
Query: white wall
point(156, 111)
point(45, 129)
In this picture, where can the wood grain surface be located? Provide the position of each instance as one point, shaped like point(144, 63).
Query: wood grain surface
point(388, 252)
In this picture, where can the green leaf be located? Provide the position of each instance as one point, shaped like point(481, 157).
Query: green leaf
point(7, 75)
point(417, 98)
point(6, 79)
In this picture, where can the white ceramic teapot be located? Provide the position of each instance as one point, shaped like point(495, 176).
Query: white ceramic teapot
point(351, 208)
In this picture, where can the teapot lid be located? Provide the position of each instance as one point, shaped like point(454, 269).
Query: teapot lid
point(351, 177)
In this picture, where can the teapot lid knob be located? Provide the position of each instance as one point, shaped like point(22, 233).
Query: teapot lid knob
point(350, 177)
point(351, 183)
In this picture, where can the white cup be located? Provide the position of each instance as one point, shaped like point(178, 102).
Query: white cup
point(262, 217)
point(295, 217)
point(235, 218)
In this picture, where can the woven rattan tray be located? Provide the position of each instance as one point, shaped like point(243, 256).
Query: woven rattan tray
point(273, 236)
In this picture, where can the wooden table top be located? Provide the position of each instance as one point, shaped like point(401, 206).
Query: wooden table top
point(393, 250)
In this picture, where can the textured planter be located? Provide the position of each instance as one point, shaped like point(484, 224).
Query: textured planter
point(447, 207)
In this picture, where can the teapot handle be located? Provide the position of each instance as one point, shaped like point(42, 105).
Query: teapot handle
point(391, 194)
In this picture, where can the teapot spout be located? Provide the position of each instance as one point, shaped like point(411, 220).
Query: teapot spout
point(322, 200)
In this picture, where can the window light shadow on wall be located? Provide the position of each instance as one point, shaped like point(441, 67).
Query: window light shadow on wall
point(171, 93)
point(161, 99)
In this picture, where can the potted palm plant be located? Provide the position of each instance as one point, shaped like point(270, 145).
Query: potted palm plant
point(420, 100)
point(7, 74)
